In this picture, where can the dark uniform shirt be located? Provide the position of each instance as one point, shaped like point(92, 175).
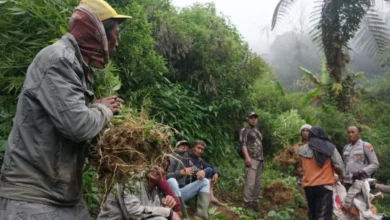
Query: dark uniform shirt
point(251, 139)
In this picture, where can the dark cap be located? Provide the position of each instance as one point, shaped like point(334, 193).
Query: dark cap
point(250, 114)
point(182, 142)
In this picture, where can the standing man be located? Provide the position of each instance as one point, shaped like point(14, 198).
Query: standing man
point(359, 158)
point(252, 148)
point(320, 160)
point(57, 113)
point(206, 169)
point(304, 131)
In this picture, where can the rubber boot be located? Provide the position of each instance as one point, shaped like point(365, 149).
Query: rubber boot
point(248, 206)
point(256, 207)
point(183, 208)
point(202, 206)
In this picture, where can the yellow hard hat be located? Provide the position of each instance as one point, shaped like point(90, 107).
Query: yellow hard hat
point(102, 9)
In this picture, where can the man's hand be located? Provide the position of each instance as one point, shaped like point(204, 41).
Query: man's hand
point(168, 202)
point(359, 175)
point(175, 216)
point(215, 178)
point(111, 102)
point(248, 162)
point(200, 174)
point(187, 171)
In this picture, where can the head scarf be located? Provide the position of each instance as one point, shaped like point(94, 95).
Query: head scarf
point(88, 30)
point(320, 144)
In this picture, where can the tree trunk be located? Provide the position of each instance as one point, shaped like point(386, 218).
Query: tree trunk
point(333, 42)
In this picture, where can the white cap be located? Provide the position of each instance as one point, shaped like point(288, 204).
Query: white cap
point(305, 126)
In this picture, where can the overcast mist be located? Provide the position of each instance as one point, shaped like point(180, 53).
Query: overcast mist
point(251, 16)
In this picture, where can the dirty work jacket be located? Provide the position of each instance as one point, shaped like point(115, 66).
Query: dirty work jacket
point(46, 148)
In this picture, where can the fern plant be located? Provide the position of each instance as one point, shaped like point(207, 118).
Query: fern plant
point(338, 24)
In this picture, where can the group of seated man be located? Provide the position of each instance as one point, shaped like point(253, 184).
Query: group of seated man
point(187, 175)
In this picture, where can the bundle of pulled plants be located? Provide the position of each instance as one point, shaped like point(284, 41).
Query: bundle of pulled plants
point(129, 146)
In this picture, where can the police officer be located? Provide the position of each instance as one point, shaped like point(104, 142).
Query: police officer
point(359, 158)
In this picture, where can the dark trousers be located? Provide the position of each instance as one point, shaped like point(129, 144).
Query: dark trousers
point(209, 172)
point(320, 202)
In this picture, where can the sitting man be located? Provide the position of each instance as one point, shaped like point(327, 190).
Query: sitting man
point(205, 168)
point(140, 201)
point(182, 146)
point(181, 171)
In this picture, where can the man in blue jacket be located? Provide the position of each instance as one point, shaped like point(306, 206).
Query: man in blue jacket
point(206, 169)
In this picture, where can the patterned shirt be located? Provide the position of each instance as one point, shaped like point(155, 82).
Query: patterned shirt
point(251, 139)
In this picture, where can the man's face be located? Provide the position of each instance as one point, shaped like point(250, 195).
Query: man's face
point(182, 148)
point(252, 120)
point(305, 134)
point(113, 40)
point(353, 134)
point(199, 150)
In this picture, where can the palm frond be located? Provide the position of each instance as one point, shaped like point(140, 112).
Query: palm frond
point(310, 76)
point(307, 99)
point(280, 11)
point(315, 17)
point(373, 35)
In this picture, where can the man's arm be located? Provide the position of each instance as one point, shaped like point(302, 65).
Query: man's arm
point(373, 162)
point(338, 164)
point(61, 94)
point(172, 171)
point(166, 190)
point(205, 165)
point(244, 146)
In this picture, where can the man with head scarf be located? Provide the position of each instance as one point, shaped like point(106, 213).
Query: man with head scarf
point(320, 160)
point(139, 199)
point(56, 115)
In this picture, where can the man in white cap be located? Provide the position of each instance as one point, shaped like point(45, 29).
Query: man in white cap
point(304, 131)
point(57, 113)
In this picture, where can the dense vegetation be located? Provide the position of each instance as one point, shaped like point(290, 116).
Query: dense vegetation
point(191, 69)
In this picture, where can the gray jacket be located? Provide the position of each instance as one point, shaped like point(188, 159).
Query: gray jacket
point(359, 157)
point(140, 204)
point(46, 148)
point(178, 162)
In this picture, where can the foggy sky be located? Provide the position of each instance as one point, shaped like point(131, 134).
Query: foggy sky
point(251, 16)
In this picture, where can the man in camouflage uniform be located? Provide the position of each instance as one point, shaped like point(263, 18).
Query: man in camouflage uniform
point(359, 158)
point(252, 148)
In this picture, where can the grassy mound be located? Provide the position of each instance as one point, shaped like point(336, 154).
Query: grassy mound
point(279, 193)
point(286, 157)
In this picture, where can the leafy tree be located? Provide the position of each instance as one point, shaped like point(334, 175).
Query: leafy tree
point(338, 23)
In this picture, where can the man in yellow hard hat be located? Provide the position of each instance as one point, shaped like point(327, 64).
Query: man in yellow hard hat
point(41, 176)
